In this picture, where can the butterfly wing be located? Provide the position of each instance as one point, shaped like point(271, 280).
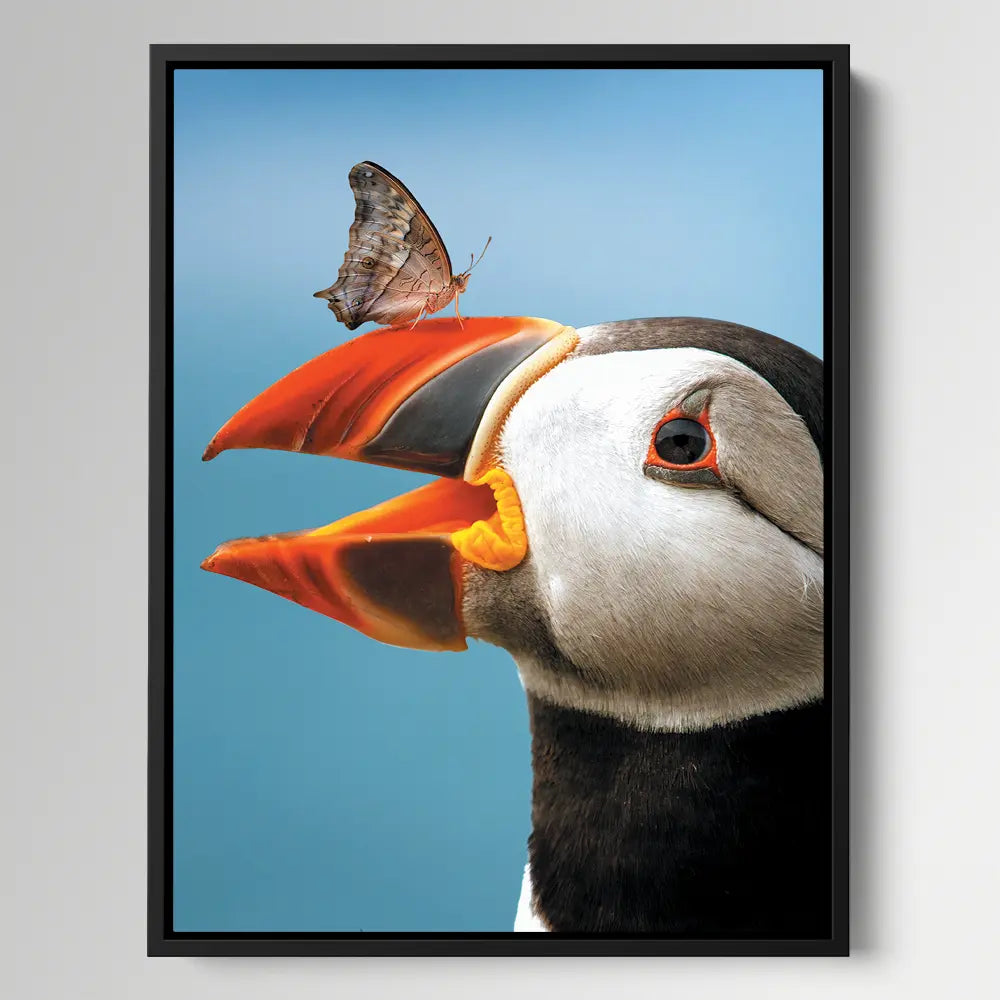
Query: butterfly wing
point(395, 257)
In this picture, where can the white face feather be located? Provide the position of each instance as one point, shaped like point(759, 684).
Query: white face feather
point(678, 606)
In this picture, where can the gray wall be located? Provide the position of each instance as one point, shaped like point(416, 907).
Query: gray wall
point(926, 679)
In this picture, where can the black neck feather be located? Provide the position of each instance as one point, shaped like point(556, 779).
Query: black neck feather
point(723, 833)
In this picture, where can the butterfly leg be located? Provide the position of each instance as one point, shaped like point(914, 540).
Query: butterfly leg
point(420, 316)
point(458, 314)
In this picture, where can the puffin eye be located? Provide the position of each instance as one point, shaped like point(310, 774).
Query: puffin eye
point(682, 447)
point(682, 442)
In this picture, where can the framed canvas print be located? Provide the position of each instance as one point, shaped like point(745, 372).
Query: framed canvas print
point(498, 506)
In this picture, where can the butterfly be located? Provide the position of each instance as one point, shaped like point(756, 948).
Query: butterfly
point(396, 267)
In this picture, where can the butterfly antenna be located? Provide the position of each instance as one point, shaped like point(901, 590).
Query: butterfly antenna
point(475, 261)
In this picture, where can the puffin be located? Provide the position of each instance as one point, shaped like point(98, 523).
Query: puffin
point(634, 511)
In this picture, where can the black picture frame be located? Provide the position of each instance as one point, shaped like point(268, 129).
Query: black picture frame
point(834, 61)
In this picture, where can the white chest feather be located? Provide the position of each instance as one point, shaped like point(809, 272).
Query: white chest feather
point(526, 919)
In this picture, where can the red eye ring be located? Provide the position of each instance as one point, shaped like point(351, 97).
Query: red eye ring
point(710, 459)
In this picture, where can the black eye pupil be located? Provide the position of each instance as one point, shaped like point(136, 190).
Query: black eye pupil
point(682, 442)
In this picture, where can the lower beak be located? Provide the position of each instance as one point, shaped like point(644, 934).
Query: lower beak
point(431, 399)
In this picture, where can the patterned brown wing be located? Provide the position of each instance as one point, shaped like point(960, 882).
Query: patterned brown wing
point(395, 258)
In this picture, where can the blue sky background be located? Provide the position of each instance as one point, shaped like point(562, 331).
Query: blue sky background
point(323, 781)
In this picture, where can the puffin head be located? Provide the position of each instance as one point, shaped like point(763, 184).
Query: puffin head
point(634, 510)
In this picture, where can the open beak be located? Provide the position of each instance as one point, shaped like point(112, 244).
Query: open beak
point(431, 399)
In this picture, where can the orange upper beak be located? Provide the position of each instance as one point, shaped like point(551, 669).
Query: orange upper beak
point(431, 399)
